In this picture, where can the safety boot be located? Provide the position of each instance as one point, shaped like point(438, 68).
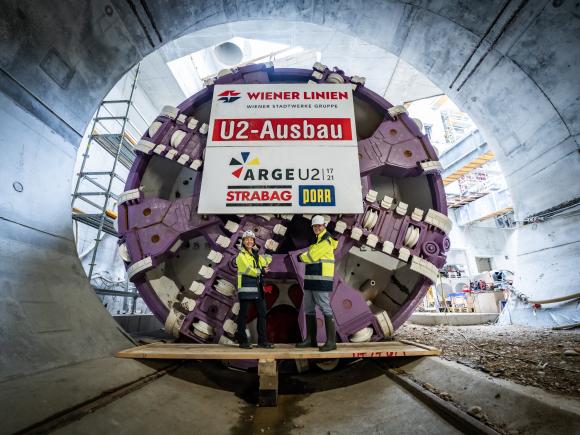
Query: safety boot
point(242, 340)
point(310, 340)
point(330, 335)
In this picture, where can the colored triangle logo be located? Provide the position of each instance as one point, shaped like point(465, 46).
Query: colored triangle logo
point(245, 155)
point(234, 162)
point(254, 161)
point(237, 172)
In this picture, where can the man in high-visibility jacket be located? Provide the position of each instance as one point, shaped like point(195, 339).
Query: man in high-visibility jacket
point(318, 279)
point(251, 270)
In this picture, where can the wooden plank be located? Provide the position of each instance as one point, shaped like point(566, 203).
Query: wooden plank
point(422, 346)
point(280, 351)
point(268, 377)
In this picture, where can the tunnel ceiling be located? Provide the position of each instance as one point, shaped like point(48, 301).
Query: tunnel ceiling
point(385, 73)
point(471, 50)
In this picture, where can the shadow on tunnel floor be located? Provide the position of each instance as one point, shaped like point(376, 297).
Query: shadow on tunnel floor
point(244, 383)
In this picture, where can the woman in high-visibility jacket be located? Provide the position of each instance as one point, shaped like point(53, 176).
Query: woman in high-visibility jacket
point(251, 269)
point(318, 279)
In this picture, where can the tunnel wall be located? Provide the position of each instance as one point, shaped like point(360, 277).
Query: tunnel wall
point(514, 69)
point(49, 315)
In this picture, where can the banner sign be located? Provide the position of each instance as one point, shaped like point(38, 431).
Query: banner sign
point(281, 149)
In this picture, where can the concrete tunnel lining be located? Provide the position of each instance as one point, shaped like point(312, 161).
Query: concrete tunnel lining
point(57, 80)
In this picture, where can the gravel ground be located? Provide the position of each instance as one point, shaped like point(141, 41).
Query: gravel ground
point(552, 370)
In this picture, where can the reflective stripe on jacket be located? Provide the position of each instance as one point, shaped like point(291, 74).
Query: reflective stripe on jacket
point(249, 272)
point(319, 260)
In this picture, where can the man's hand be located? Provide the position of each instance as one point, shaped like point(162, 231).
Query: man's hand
point(266, 269)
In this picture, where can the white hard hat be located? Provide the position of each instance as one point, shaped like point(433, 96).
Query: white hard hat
point(318, 220)
point(248, 233)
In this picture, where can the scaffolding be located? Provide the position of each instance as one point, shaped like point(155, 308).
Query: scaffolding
point(111, 131)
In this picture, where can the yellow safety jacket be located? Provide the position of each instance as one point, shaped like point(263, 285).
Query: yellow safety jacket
point(319, 260)
point(249, 272)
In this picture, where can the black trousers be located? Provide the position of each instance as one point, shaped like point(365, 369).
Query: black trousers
point(243, 315)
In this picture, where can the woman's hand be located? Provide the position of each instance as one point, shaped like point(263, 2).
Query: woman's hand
point(266, 269)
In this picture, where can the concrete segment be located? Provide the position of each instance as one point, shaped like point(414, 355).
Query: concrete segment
point(376, 405)
point(31, 399)
point(524, 409)
point(168, 405)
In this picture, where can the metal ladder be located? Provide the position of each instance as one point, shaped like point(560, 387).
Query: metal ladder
point(118, 145)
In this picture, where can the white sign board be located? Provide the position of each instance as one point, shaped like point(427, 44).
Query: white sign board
point(281, 148)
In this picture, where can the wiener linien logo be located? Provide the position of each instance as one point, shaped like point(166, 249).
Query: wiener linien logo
point(229, 96)
point(243, 162)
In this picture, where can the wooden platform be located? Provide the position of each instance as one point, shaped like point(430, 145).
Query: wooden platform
point(267, 365)
point(280, 351)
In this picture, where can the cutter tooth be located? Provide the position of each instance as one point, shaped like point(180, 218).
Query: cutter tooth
point(386, 202)
point(206, 271)
point(144, 146)
point(230, 326)
point(129, 195)
point(425, 268)
point(371, 196)
point(215, 256)
point(226, 341)
point(183, 159)
point(280, 229)
point(139, 266)
point(176, 246)
point(372, 240)
point(223, 241)
point(169, 112)
point(174, 321)
point(197, 287)
point(356, 233)
point(438, 220)
point(402, 208)
point(171, 154)
point(271, 245)
point(431, 166)
point(195, 165)
point(192, 123)
point(417, 214)
point(388, 247)
point(340, 227)
point(159, 149)
point(404, 254)
point(319, 67)
point(396, 111)
point(188, 304)
point(232, 226)
point(224, 72)
point(358, 80)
